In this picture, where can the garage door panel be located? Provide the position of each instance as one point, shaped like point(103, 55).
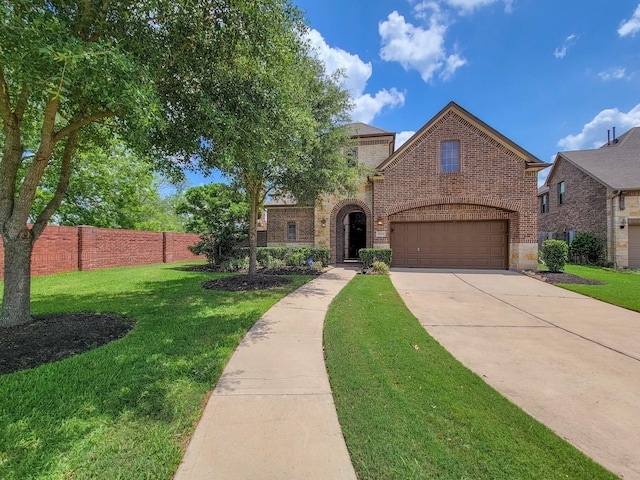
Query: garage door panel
point(450, 244)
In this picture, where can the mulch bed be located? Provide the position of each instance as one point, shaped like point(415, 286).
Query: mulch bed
point(562, 277)
point(265, 278)
point(57, 336)
point(246, 283)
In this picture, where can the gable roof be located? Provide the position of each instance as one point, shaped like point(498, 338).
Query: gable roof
point(360, 129)
point(533, 163)
point(616, 164)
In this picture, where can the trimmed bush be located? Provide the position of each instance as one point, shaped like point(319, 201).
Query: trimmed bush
point(585, 248)
point(378, 268)
point(370, 255)
point(293, 256)
point(554, 254)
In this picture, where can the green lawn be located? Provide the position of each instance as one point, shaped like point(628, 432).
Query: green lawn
point(409, 410)
point(127, 409)
point(622, 288)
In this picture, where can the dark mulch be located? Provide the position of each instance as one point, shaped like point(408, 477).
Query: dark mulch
point(562, 277)
point(245, 283)
point(208, 268)
point(54, 337)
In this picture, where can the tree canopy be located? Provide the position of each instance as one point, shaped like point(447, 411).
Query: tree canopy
point(210, 84)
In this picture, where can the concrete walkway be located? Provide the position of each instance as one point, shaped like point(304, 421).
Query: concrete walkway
point(570, 361)
point(272, 415)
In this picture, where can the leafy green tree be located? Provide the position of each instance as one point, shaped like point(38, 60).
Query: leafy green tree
point(279, 128)
point(220, 214)
point(111, 187)
point(68, 66)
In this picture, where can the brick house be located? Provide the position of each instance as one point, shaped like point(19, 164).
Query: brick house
point(457, 194)
point(596, 191)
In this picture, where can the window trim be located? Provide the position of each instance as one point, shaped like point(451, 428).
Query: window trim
point(295, 231)
point(544, 203)
point(446, 157)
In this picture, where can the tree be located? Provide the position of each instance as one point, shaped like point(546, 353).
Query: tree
point(67, 66)
point(220, 214)
point(112, 187)
point(279, 127)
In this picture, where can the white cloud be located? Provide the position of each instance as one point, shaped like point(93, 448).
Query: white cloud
point(560, 52)
point(467, 6)
point(594, 133)
point(367, 107)
point(631, 26)
point(417, 48)
point(356, 75)
point(402, 137)
point(617, 73)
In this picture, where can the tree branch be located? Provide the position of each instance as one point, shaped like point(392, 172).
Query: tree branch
point(83, 122)
point(21, 105)
point(61, 189)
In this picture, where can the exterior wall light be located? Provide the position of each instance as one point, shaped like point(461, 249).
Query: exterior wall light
point(380, 222)
point(323, 223)
point(623, 223)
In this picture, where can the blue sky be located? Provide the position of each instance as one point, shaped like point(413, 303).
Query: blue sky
point(551, 75)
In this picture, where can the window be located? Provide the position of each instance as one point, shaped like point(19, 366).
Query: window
point(291, 231)
point(544, 203)
point(352, 160)
point(561, 197)
point(450, 156)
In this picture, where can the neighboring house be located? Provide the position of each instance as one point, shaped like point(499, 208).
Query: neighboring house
point(596, 191)
point(457, 194)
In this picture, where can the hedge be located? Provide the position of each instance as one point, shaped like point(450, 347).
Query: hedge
point(370, 255)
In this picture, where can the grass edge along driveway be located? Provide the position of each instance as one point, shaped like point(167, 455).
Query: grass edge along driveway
point(127, 409)
point(409, 410)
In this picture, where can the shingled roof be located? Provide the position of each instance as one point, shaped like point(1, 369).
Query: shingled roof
point(616, 165)
point(360, 129)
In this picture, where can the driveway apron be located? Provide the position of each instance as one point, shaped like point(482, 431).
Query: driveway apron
point(271, 415)
point(570, 361)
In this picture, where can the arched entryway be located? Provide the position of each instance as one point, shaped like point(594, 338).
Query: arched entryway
point(351, 233)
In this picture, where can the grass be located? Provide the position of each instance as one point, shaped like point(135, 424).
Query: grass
point(409, 410)
point(127, 409)
point(621, 288)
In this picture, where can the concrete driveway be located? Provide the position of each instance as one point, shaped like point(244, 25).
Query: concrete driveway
point(570, 361)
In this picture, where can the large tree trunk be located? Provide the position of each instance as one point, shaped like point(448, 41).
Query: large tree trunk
point(17, 280)
point(253, 232)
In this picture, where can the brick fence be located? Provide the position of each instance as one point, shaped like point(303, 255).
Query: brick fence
point(65, 249)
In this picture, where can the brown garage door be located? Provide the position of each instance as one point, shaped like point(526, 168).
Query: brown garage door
point(634, 246)
point(450, 244)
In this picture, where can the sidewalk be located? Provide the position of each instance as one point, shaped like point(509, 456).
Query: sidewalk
point(272, 416)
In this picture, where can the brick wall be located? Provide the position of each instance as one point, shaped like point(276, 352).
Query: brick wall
point(585, 206)
point(492, 184)
point(279, 219)
point(65, 249)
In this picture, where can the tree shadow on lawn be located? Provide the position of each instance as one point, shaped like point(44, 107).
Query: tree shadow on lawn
point(158, 375)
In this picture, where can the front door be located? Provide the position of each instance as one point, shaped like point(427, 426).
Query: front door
point(355, 234)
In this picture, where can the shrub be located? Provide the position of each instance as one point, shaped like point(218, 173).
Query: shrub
point(236, 264)
point(268, 261)
point(585, 248)
point(554, 254)
point(378, 268)
point(296, 259)
point(370, 255)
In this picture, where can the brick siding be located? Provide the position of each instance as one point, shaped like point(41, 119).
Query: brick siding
point(492, 182)
point(279, 219)
point(65, 249)
point(585, 206)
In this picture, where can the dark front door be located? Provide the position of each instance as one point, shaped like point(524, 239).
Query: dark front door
point(357, 228)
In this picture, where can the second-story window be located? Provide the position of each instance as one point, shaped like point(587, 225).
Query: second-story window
point(561, 194)
point(450, 156)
